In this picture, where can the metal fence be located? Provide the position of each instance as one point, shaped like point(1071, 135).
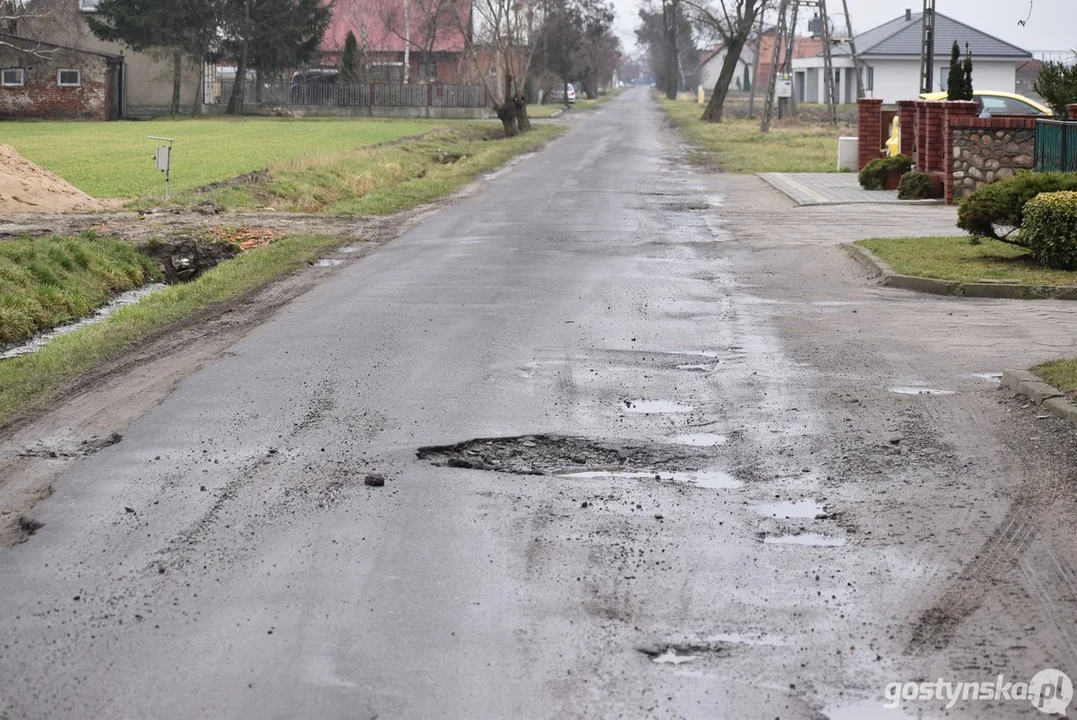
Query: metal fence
point(1056, 146)
point(284, 93)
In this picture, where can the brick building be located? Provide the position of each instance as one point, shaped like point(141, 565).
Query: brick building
point(42, 80)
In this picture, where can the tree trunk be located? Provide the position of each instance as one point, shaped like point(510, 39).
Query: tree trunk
point(236, 99)
point(523, 122)
point(568, 105)
point(177, 78)
point(506, 113)
point(199, 91)
point(259, 87)
point(755, 66)
point(673, 69)
point(714, 109)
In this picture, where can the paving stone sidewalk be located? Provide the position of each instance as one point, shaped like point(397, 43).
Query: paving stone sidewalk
point(833, 189)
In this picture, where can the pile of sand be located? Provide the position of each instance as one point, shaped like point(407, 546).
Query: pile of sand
point(29, 188)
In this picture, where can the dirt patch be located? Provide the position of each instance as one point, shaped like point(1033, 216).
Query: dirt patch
point(551, 454)
point(28, 188)
point(184, 259)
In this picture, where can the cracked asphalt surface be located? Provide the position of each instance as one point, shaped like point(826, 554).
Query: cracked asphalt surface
point(713, 486)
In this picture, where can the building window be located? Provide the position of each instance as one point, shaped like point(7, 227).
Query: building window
point(88, 5)
point(944, 77)
point(69, 78)
point(13, 77)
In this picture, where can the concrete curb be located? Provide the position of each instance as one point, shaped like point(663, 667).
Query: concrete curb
point(877, 267)
point(1050, 398)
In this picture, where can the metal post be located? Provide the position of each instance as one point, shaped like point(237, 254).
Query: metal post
point(789, 59)
point(768, 107)
point(857, 67)
point(164, 163)
point(927, 48)
point(828, 63)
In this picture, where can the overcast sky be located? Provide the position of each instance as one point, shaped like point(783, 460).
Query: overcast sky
point(1052, 26)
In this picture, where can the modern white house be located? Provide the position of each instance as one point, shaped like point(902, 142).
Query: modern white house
point(890, 56)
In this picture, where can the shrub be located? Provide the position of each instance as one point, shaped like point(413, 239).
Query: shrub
point(1057, 85)
point(1050, 229)
point(996, 210)
point(914, 186)
point(873, 176)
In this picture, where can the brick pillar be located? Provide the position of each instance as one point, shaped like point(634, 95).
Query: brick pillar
point(934, 113)
point(870, 128)
point(952, 113)
point(1072, 108)
point(919, 136)
point(907, 123)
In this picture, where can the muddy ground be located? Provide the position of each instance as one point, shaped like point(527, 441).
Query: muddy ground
point(652, 446)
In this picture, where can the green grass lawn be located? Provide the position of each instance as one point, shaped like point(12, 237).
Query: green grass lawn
point(115, 159)
point(1060, 373)
point(956, 258)
point(48, 281)
point(737, 146)
point(379, 180)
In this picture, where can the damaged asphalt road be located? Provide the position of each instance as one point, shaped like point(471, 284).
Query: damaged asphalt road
point(650, 446)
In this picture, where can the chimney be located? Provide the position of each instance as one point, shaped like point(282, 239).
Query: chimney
point(908, 14)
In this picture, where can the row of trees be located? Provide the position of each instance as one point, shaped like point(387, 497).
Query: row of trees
point(261, 35)
point(668, 29)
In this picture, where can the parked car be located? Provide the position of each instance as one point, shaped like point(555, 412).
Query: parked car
point(997, 102)
point(557, 95)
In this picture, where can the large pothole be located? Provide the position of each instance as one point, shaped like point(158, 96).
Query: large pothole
point(557, 454)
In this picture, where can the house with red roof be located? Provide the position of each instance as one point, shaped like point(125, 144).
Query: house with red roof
point(422, 40)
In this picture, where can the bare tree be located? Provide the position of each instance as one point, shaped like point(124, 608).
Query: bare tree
point(731, 21)
point(16, 15)
point(422, 25)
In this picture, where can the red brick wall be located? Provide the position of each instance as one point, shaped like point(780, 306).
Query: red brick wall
point(41, 96)
point(869, 129)
point(907, 122)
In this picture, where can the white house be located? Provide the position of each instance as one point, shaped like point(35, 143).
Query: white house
point(710, 67)
point(890, 56)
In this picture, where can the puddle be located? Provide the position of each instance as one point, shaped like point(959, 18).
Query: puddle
point(701, 439)
point(698, 368)
point(910, 390)
point(350, 249)
point(122, 300)
point(670, 657)
point(691, 353)
point(813, 539)
point(327, 262)
point(873, 709)
point(738, 639)
point(801, 509)
point(656, 406)
point(709, 479)
point(989, 377)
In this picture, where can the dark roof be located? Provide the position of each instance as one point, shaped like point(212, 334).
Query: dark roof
point(30, 44)
point(903, 37)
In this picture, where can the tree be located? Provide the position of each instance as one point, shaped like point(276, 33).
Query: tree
point(180, 28)
point(669, 52)
point(561, 41)
point(421, 24)
point(732, 22)
point(1057, 85)
point(966, 75)
point(349, 62)
point(955, 80)
point(268, 35)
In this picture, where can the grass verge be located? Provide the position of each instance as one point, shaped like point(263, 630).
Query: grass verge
point(737, 146)
point(31, 380)
point(955, 258)
point(1060, 373)
point(114, 160)
point(48, 281)
point(379, 180)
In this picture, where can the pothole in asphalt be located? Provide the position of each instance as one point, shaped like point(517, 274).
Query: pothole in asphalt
point(689, 206)
point(701, 367)
point(656, 407)
point(701, 439)
point(680, 653)
point(788, 510)
point(913, 390)
point(812, 539)
point(989, 376)
point(349, 249)
point(327, 262)
point(559, 454)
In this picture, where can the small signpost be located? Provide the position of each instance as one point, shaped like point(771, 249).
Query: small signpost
point(163, 157)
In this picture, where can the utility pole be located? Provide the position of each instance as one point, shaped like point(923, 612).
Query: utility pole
point(927, 48)
point(768, 108)
point(857, 68)
point(789, 58)
point(828, 65)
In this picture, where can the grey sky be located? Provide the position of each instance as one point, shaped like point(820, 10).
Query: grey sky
point(1053, 25)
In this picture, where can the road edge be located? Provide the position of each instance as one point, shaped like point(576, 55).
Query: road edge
point(1030, 385)
point(877, 267)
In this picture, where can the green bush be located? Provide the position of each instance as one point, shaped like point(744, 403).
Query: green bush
point(996, 210)
point(873, 176)
point(914, 186)
point(1050, 229)
point(1057, 85)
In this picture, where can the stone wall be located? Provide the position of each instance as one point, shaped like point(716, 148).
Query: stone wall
point(982, 155)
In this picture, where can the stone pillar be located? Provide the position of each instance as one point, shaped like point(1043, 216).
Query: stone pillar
point(1072, 108)
point(953, 113)
point(907, 123)
point(870, 129)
